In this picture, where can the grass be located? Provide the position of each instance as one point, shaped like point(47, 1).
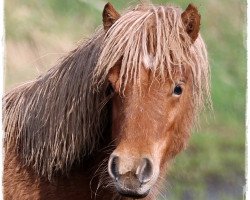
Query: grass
point(40, 32)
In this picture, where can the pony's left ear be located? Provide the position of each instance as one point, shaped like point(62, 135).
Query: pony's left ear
point(191, 20)
point(109, 16)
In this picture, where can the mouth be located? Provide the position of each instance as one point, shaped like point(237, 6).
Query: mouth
point(132, 193)
point(131, 188)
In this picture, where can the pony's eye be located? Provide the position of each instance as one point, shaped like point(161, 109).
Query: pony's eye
point(177, 90)
point(110, 90)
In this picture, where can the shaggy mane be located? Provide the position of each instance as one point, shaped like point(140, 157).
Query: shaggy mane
point(58, 118)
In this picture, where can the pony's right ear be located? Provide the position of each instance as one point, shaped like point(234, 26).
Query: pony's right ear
point(191, 20)
point(109, 16)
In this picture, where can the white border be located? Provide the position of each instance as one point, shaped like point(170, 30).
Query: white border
point(2, 45)
point(2, 64)
point(247, 108)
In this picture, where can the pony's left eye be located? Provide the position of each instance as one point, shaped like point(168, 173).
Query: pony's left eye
point(177, 90)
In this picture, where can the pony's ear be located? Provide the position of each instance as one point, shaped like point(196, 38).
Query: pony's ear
point(109, 16)
point(191, 20)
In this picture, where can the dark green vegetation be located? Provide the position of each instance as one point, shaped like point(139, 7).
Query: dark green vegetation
point(39, 32)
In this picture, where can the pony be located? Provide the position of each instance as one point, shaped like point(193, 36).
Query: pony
point(107, 120)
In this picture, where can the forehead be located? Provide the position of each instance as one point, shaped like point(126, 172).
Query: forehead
point(147, 79)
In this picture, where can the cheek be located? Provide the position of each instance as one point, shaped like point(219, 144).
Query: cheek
point(172, 110)
point(178, 132)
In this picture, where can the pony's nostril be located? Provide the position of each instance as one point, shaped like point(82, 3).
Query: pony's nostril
point(113, 167)
point(145, 171)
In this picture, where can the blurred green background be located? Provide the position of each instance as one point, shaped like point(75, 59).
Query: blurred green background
point(213, 167)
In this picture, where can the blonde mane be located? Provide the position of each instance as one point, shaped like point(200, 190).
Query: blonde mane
point(58, 118)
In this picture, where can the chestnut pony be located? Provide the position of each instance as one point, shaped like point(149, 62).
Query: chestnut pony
point(106, 121)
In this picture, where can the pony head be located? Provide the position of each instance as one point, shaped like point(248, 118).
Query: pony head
point(155, 62)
